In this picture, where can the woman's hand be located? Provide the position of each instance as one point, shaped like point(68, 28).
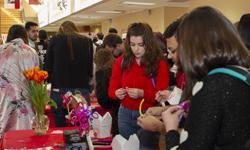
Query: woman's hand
point(120, 93)
point(162, 95)
point(171, 117)
point(151, 123)
point(135, 93)
point(156, 111)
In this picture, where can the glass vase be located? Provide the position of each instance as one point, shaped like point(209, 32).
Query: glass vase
point(40, 124)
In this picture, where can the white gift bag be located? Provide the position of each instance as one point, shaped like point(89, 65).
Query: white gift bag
point(102, 125)
point(120, 143)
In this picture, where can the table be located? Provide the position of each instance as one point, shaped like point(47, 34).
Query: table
point(27, 139)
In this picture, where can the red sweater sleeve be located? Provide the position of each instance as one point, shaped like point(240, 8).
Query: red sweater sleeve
point(115, 80)
point(162, 82)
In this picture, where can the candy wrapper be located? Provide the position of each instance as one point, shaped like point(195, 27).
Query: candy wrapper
point(184, 105)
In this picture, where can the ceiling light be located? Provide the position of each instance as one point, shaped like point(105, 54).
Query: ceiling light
point(108, 12)
point(138, 3)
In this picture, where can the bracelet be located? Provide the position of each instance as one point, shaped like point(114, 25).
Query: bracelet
point(140, 107)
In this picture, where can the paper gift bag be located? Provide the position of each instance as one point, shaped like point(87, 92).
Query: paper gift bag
point(102, 125)
point(120, 143)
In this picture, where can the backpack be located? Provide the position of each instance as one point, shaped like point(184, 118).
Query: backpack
point(234, 71)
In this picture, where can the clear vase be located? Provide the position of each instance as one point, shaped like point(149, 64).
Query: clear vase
point(40, 124)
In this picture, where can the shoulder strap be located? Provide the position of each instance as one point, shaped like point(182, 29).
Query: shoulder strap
point(234, 71)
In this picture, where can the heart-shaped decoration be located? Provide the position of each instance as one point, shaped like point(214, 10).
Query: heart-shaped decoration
point(183, 136)
point(197, 87)
point(174, 148)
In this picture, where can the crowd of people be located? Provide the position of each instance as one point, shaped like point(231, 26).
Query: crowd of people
point(134, 77)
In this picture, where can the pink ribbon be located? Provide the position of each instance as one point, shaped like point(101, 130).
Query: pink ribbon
point(81, 117)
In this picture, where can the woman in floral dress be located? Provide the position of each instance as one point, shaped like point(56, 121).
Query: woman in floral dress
point(15, 57)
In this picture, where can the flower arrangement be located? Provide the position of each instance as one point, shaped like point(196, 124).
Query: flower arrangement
point(37, 89)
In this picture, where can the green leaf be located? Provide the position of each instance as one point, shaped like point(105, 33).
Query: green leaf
point(39, 97)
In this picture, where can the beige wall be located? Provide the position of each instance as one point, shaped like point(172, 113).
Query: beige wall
point(160, 18)
point(172, 13)
point(95, 29)
point(154, 17)
point(106, 24)
point(233, 9)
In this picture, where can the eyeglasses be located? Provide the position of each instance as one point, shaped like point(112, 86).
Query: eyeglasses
point(172, 51)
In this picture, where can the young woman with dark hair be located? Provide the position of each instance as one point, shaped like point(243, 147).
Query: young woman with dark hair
point(136, 77)
point(218, 116)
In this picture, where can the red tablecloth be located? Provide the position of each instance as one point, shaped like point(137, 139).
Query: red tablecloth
point(27, 139)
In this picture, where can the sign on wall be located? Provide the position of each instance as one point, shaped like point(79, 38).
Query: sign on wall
point(59, 9)
point(9, 4)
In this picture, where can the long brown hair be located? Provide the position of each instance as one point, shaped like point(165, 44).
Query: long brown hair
point(104, 59)
point(203, 47)
point(69, 29)
point(152, 54)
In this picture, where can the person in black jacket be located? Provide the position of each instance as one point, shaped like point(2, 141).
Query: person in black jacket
point(42, 46)
point(69, 62)
point(104, 61)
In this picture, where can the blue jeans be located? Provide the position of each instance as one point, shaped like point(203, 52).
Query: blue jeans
point(127, 124)
point(60, 112)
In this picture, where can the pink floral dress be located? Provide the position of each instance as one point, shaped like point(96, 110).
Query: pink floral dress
point(15, 108)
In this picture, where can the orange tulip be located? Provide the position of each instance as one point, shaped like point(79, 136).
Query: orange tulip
point(36, 74)
point(29, 74)
point(40, 76)
point(43, 75)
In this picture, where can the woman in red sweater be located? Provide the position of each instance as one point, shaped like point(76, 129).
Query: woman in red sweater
point(136, 76)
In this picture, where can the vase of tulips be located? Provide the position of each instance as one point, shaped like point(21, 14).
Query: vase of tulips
point(37, 93)
point(40, 124)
